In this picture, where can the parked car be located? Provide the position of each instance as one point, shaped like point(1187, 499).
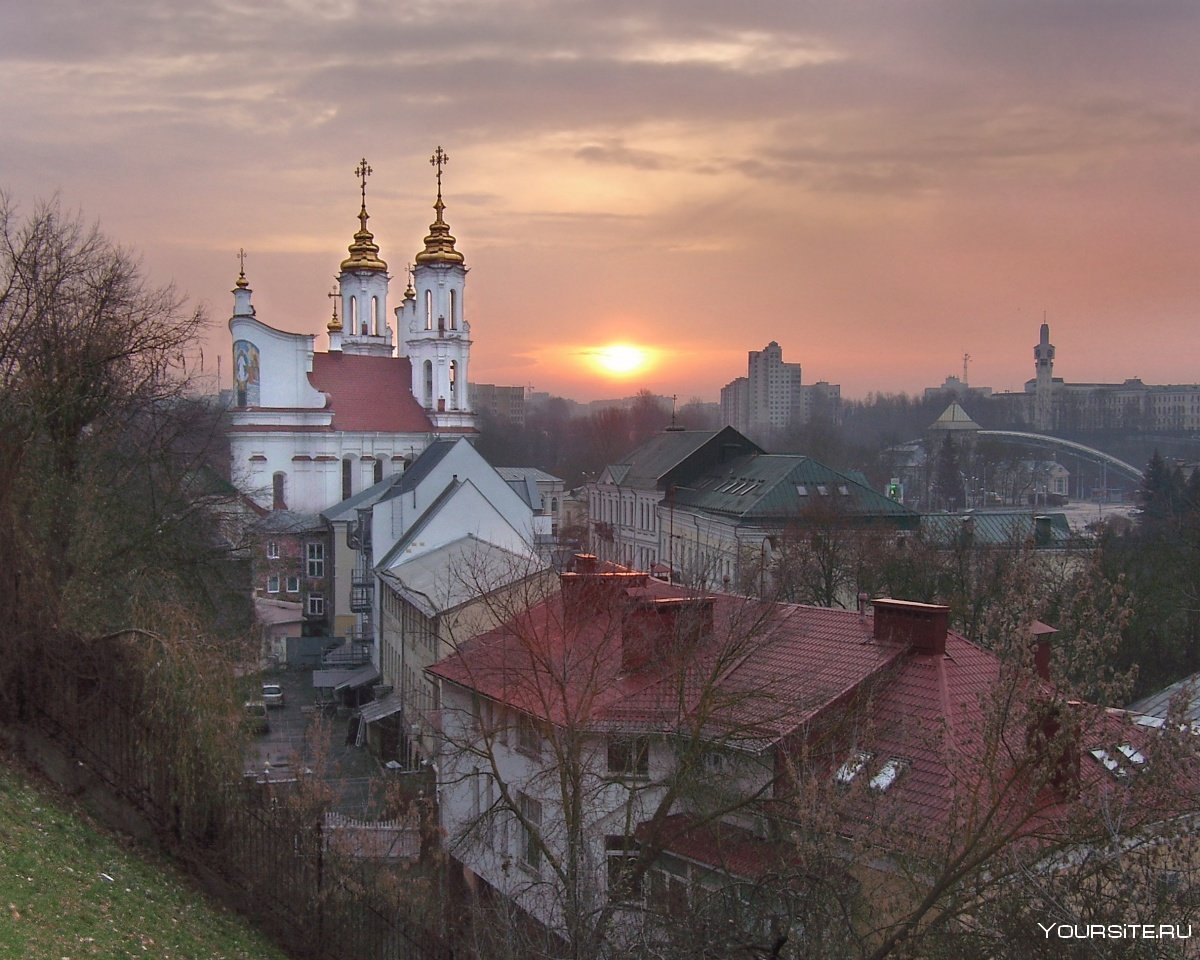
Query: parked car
point(272, 694)
point(254, 719)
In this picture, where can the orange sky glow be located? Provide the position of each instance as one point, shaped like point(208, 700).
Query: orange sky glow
point(880, 187)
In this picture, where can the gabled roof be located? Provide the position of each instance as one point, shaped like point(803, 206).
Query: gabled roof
point(784, 485)
point(420, 468)
point(653, 463)
point(954, 417)
point(348, 509)
point(290, 523)
point(809, 682)
point(456, 573)
point(531, 473)
point(369, 394)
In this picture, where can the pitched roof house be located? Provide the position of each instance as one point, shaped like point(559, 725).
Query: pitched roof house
point(698, 730)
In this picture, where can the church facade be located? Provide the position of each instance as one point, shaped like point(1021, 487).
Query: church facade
point(310, 428)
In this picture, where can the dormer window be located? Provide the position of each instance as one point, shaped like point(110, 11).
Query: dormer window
point(888, 774)
point(852, 767)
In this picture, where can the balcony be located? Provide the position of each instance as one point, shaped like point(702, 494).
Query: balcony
point(362, 594)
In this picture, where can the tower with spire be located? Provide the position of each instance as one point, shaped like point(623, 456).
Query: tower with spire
point(363, 285)
point(436, 335)
point(1043, 393)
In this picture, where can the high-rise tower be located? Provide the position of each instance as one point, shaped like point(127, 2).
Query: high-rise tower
point(1043, 394)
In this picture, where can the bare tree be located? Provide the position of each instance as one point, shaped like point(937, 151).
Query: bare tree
point(788, 782)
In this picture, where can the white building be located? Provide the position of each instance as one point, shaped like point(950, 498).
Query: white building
point(309, 428)
point(772, 396)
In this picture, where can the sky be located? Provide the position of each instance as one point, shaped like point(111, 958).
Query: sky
point(880, 187)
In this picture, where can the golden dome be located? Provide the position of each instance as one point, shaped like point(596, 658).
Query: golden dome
point(364, 251)
point(439, 244)
point(335, 324)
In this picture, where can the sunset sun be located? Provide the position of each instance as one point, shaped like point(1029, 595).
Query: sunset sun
point(620, 359)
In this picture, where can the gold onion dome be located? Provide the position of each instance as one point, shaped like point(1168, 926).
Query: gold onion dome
point(439, 244)
point(335, 324)
point(364, 251)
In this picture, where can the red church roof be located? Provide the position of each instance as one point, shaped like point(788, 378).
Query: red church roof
point(369, 394)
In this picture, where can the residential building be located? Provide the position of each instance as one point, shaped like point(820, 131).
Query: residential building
point(506, 404)
point(541, 490)
point(623, 503)
point(708, 506)
point(309, 429)
point(292, 561)
point(772, 397)
point(643, 745)
point(427, 551)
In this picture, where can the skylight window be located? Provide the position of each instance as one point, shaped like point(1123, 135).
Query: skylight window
point(888, 774)
point(822, 490)
point(1108, 762)
point(802, 490)
point(852, 767)
point(1127, 758)
point(843, 490)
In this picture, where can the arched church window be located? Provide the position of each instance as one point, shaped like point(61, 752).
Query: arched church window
point(377, 470)
point(453, 383)
point(453, 310)
point(376, 325)
point(429, 384)
point(347, 478)
point(352, 323)
point(277, 491)
point(428, 309)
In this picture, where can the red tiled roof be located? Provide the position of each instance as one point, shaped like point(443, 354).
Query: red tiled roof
point(788, 676)
point(369, 394)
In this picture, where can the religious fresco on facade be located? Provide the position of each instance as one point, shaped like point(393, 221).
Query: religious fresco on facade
point(245, 373)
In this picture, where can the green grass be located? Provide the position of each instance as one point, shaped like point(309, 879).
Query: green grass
point(70, 890)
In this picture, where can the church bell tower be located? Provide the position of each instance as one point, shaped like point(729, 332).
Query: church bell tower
point(437, 336)
point(363, 289)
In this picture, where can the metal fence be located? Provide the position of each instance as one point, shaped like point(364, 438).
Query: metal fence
point(296, 872)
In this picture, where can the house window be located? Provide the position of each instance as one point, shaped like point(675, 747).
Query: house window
point(629, 756)
point(530, 831)
point(273, 584)
point(316, 604)
point(529, 737)
point(621, 854)
point(293, 584)
point(669, 885)
point(347, 479)
point(277, 492)
point(377, 471)
point(272, 550)
point(315, 557)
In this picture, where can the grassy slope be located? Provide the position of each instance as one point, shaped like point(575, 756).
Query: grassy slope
point(68, 889)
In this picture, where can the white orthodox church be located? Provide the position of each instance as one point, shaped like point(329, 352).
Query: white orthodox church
point(309, 428)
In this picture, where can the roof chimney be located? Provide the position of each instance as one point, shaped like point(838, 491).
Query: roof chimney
point(1041, 634)
point(1043, 531)
point(921, 626)
point(658, 628)
point(591, 594)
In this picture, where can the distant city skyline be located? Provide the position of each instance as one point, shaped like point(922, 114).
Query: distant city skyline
point(878, 187)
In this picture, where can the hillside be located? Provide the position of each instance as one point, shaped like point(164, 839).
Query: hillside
point(70, 889)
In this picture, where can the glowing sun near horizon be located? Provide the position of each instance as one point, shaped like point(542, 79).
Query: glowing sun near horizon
point(620, 359)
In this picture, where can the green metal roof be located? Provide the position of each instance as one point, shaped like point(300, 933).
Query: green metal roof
point(771, 486)
point(996, 528)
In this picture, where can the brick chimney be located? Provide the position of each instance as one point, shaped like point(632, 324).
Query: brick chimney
point(656, 629)
point(1040, 635)
point(921, 626)
point(591, 594)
